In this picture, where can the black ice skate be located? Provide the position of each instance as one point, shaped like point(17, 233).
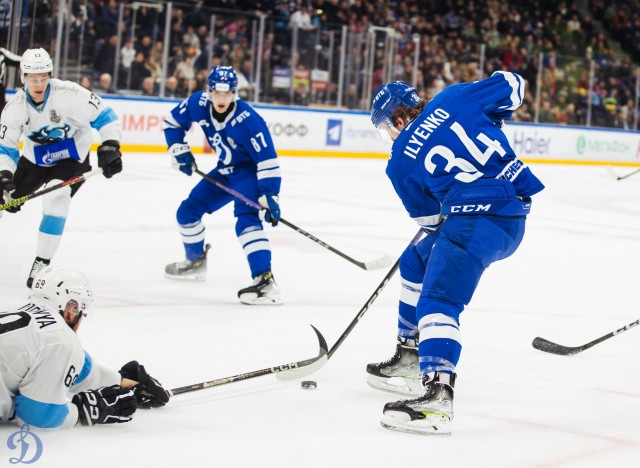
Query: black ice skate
point(189, 270)
point(429, 414)
point(401, 373)
point(38, 264)
point(263, 291)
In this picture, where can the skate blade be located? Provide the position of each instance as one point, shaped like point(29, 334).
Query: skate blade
point(194, 278)
point(260, 300)
point(432, 425)
point(397, 385)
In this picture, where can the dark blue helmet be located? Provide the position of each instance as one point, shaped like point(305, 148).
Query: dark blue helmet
point(222, 79)
point(387, 99)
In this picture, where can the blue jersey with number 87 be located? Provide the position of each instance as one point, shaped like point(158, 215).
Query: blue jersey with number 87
point(242, 140)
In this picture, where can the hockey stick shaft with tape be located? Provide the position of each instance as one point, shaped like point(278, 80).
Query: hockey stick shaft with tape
point(31, 196)
point(297, 368)
point(371, 265)
point(561, 350)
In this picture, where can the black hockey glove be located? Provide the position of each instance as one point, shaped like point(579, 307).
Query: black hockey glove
point(6, 181)
point(106, 405)
point(149, 392)
point(7, 184)
point(271, 213)
point(110, 158)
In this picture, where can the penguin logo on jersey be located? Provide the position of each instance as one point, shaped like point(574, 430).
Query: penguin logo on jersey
point(47, 135)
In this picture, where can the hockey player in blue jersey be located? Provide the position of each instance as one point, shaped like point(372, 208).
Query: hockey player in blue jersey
point(459, 178)
point(247, 163)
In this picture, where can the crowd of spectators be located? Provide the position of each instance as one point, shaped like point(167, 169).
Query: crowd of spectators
point(514, 33)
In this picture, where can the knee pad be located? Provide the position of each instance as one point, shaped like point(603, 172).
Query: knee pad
point(57, 203)
point(412, 267)
point(190, 211)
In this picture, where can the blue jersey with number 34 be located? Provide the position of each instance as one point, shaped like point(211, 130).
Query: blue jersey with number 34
point(456, 140)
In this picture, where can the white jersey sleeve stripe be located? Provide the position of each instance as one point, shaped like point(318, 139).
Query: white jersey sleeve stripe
point(517, 89)
point(270, 173)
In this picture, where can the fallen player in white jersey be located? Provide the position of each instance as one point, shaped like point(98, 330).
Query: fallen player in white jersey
point(47, 380)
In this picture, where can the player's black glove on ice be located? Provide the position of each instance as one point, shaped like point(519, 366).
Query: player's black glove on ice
point(149, 392)
point(110, 158)
point(271, 213)
point(106, 405)
point(6, 182)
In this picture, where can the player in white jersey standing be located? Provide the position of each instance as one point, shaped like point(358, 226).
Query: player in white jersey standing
point(43, 364)
point(56, 118)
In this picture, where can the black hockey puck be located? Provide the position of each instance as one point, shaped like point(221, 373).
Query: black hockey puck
point(309, 384)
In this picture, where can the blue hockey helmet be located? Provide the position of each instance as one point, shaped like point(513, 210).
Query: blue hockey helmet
point(387, 99)
point(222, 79)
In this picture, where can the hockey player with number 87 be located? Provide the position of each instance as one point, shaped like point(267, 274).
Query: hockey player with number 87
point(458, 177)
point(247, 163)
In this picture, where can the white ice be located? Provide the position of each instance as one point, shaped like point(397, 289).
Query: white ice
point(574, 278)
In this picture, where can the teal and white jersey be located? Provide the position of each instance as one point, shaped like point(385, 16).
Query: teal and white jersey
point(57, 129)
point(42, 364)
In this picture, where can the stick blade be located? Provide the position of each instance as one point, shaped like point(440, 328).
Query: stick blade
point(612, 172)
point(549, 347)
point(308, 366)
point(378, 264)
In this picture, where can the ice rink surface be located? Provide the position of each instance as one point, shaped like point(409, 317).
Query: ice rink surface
point(574, 278)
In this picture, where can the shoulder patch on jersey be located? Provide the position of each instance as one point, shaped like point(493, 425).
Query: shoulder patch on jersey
point(245, 114)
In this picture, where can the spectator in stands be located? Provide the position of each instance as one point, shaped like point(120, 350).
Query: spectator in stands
point(154, 69)
point(148, 87)
point(171, 88)
point(301, 18)
point(138, 71)
point(301, 95)
point(104, 85)
point(85, 82)
point(105, 58)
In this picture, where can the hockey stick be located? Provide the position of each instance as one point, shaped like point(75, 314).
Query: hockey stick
point(371, 299)
point(612, 172)
point(554, 348)
point(296, 369)
point(31, 196)
point(371, 265)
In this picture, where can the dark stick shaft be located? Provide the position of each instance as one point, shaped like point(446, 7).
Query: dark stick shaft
point(547, 346)
point(258, 373)
point(371, 299)
point(255, 205)
point(629, 174)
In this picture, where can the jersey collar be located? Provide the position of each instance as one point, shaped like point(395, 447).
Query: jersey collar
point(40, 107)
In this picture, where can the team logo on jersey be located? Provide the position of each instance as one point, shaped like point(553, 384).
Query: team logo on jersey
point(334, 132)
point(55, 117)
point(47, 135)
point(27, 443)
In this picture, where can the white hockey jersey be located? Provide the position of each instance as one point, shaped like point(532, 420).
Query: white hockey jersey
point(42, 364)
point(57, 129)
